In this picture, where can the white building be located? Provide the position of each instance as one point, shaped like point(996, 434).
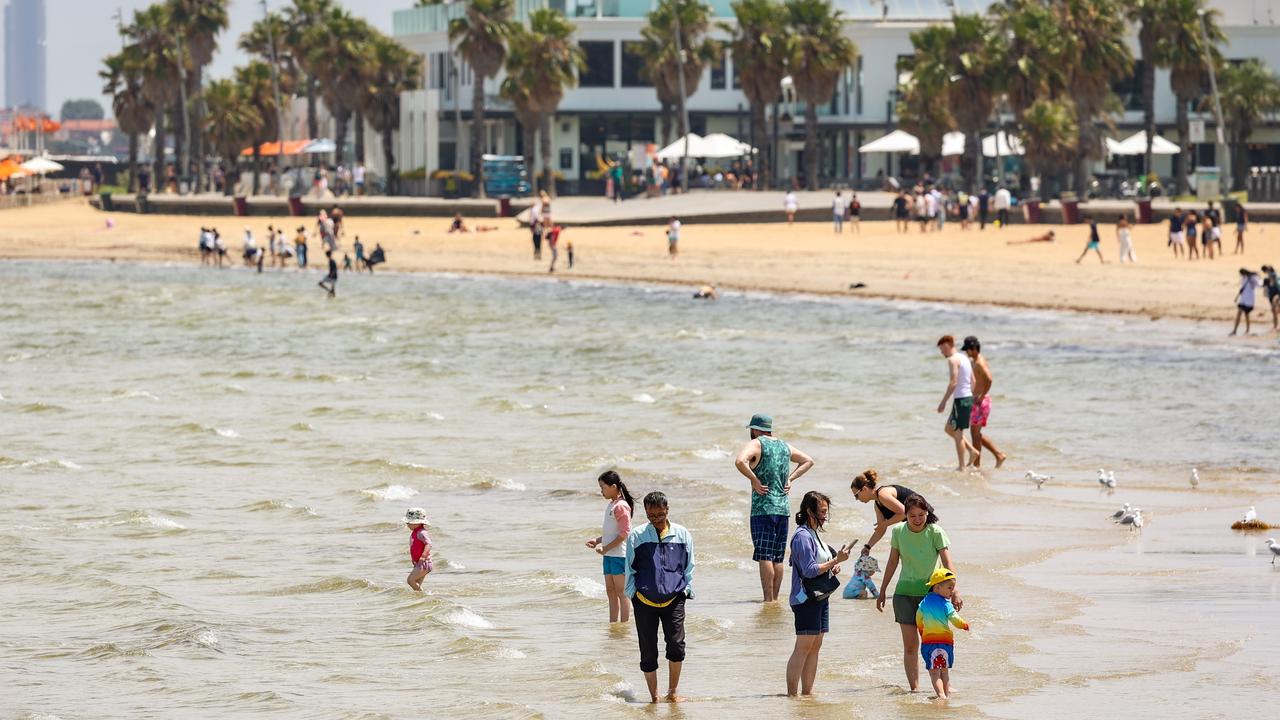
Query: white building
point(613, 110)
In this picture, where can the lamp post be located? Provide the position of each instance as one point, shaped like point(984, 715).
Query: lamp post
point(1224, 162)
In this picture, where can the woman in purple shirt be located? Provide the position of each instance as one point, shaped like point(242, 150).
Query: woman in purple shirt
point(810, 558)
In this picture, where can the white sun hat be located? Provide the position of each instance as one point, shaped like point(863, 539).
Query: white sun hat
point(415, 516)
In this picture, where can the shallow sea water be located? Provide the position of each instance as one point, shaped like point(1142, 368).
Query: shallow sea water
point(203, 471)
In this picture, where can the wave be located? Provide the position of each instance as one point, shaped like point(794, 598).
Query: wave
point(301, 427)
point(196, 428)
point(643, 398)
point(389, 492)
point(395, 466)
point(333, 584)
point(828, 426)
point(37, 463)
point(272, 505)
point(487, 649)
point(135, 518)
point(464, 617)
point(129, 395)
point(712, 453)
point(566, 586)
point(226, 432)
point(493, 483)
point(41, 407)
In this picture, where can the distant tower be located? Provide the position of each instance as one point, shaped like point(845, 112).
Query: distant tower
point(25, 66)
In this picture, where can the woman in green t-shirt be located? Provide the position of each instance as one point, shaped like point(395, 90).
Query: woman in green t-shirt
point(919, 544)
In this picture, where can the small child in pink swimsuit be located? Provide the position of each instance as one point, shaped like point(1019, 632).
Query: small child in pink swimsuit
point(419, 546)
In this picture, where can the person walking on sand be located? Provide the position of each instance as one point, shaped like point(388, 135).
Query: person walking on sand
point(982, 381)
point(535, 229)
point(1242, 224)
point(659, 579)
point(960, 392)
point(1177, 238)
point(1245, 299)
point(919, 545)
point(612, 542)
point(330, 282)
point(901, 213)
point(1125, 236)
point(855, 213)
point(1190, 225)
point(300, 246)
point(789, 205)
point(984, 208)
point(812, 561)
point(673, 238)
point(1004, 200)
point(888, 500)
point(766, 462)
point(1095, 242)
point(837, 212)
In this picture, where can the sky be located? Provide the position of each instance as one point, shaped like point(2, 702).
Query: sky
point(82, 32)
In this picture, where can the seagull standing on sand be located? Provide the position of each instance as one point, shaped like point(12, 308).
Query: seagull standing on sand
point(1275, 549)
point(1111, 480)
point(1250, 515)
point(1102, 477)
point(1122, 512)
point(1037, 478)
point(1195, 478)
point(1134, 521)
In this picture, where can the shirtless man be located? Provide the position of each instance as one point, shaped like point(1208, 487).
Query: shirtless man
point(981, 402)
point(960, 391)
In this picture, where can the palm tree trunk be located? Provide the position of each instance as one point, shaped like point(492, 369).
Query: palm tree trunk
point(157, 153)
point(257, 168)
point(548, 179)
point(974, 145)
point(313, 126)
point(197, 123)
point(1084, 142)
point(389, 162)
point(1148, 96)
point(179, 143)
point(360, 138)
point(811, 145)
point(133, 162)
point(666, 125)
point(1183, 158)
point(340, 121)
point(762, 156)
point(477, 133)
point(530, 133)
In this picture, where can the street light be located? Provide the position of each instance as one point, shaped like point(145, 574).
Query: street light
point(1224, 163)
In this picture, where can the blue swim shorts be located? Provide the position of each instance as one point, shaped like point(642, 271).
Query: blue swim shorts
point(937, 656)
point(615, 565)
point(769, 537)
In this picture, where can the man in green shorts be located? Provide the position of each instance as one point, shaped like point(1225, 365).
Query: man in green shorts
point(766, 462)
point(960, 387)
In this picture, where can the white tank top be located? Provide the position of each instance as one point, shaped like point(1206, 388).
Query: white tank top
point(609, 530)
point(964, 377)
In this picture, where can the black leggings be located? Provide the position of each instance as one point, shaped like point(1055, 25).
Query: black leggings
point(1003, 216)
point(537, 244)
point(647, 618)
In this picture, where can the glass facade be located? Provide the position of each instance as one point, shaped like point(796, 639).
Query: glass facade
point(599, 61)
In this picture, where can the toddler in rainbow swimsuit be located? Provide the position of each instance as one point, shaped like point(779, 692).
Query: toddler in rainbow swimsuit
point(934, 618)
point(419, 547)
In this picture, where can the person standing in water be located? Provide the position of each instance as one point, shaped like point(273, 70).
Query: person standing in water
point(612, 542)
point(1244, 300)
point(330, 282)
point(811, 558)
point(889, 501)
point(981, 402)
point(659, 578)
point(960, 392)
point(766, 462)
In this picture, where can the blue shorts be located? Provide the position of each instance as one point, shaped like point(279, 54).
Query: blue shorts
point(769, 536)
point(937, 656)
point(812, 618)
point(615, 565)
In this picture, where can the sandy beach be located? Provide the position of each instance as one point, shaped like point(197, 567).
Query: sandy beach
point(950, 266)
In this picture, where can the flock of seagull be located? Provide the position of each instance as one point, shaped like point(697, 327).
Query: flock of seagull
point(1132, 516)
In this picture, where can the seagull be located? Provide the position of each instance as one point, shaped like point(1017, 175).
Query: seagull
point(1275, 549)
point(1122, 512)
point(1111, 480)
point(1195, 478)
point(1251, 515)
point(1102, 476)
point(1133, 520)
point(1137, 520)
point(1037, 478)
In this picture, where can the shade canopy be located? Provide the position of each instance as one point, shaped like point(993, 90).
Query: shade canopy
point(1136, 144)
point(894, 142)
point(318, 146)
point(1006, 143)
point(719, 145)
point(681, 147)
point(41, 166)
point(11, 169)
point(292, 147)
point(952, 144)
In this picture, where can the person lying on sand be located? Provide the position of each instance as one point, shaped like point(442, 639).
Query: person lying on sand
point(459, 226)
point(1047, 237)
point(706, 292)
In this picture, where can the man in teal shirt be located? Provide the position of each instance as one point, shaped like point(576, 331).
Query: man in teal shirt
point(766, 462)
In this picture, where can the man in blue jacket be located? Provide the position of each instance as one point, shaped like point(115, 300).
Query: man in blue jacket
point(659, 574)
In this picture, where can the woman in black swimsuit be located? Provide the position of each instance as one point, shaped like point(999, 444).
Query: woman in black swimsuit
point(889, 501)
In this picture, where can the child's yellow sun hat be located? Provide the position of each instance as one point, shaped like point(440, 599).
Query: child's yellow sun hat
point(941, 575)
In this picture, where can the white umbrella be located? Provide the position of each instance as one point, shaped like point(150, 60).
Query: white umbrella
point(318, 146)
point(1009, 145)
point(952, 144)
point(719, 145)
point(896, 141)
point(40, 166)
point(1136, 144)
point(677, 150)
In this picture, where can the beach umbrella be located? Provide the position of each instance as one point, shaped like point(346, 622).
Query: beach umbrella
point(952, 144)
point(319, 146)
point(1136, 144)
point(895, 142)
point(1009, 145)
point(719, 145)
point(41, 166)
point(676, 150)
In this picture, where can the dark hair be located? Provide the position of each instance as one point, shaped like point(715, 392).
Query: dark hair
point(918, 500)
point(866, 480)
point(655, 499)
point(611, 478)
point(809, 505)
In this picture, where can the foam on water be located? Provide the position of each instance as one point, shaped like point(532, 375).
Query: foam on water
point(226, 432)
point(642, 398)
point(712, 453)
point(829, 426)
point(390, 492)
point(464, 617)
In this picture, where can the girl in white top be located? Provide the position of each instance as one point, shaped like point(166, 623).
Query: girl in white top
point(612, 542)
point(1126, 241)
point(789, 204)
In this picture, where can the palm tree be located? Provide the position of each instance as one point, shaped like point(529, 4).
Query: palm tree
point(336, 52)
point(1029, 52)
point(1096, 31)
point(1250, 91)
point(1187, 54)
point(255, 89)
point(759, 52)
point(1049, 135)
point(158, 64)
point(558, 61)
point(231, 122)
point(921, 114)
point(199, 23)
point(661, 63)
point(393, 69)
point(818, 52)
point(300, 19)
point(481, 36)
point(1153, 17)
point(132, 110)
point(522, 74)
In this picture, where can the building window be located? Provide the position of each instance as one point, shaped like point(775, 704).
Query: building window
point(632, 64)
point(599, 57)
point(718, 77)
point(566, 158)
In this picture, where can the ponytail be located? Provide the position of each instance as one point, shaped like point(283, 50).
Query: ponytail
point(866, 480)
point(809, 509)
point(611, 478)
